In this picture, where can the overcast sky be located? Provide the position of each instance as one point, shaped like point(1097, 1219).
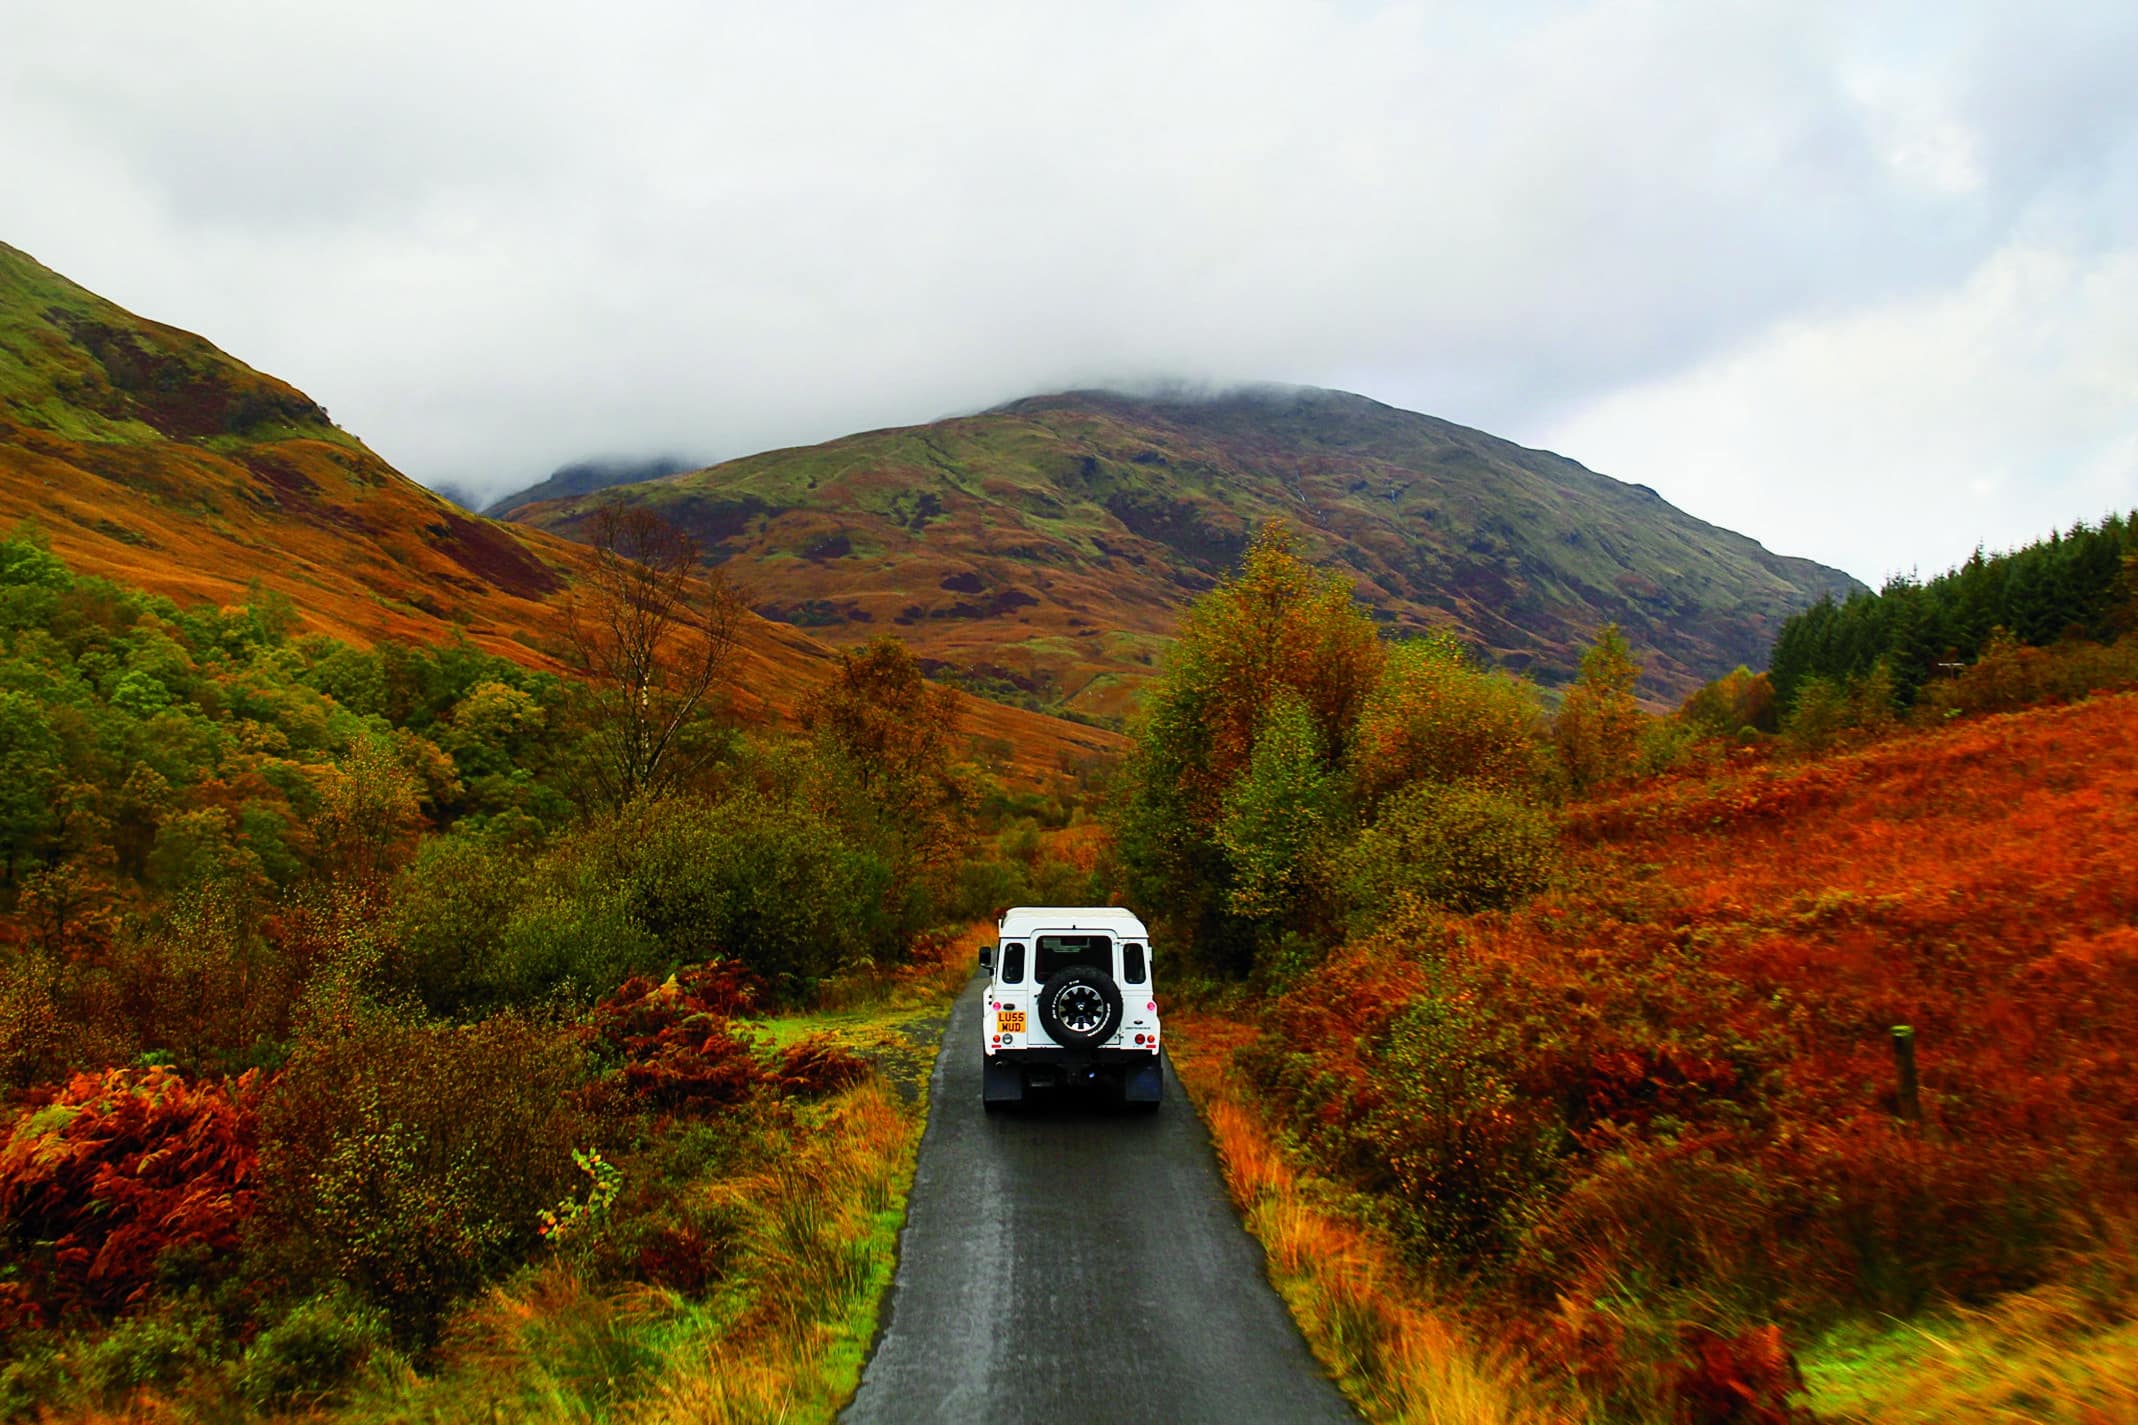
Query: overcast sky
point(1860, 281)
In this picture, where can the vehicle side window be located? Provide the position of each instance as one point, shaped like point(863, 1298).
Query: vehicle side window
point(1132, 963)
point(1013, 962)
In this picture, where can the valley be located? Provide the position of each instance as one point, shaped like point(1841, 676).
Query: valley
point(371, 1054)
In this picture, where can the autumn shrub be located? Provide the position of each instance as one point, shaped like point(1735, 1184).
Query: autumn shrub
point(1695, 1216)
point(1465, 1156)
point(1905, 1220)
point(1817, 716)
point(314, 1348)
point(201, 983)
point(568, 937)
point(1746, 1378)
point(144, 1350)
point(764, 878)
point(986, 886)
point(451, 912)
point(1059, 880)
point(411, 1159)
point(117, 1178)
point(1731, 705)
point(679, 1241)
point(1448, 1133)
point(2010, 675)
point(1665, 744)
point(663, 1229)
point(31, 1027)
point(1433, 716)
point(1465, 848)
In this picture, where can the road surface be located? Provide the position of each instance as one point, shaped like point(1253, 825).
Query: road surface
point(1076, 1263)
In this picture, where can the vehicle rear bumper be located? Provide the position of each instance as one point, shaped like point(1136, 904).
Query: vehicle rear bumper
point(1077, 1058)
point(1008, 1073)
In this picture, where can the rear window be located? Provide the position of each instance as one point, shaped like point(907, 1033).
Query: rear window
point(1132, 963)
point(1059, 952)
point(1013, 963)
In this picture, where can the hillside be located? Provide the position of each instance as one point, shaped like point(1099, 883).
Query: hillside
point(585, 477)
point(1051, 544)
point(148, 456)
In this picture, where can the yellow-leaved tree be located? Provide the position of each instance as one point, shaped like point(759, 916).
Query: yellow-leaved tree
point(1598, 729)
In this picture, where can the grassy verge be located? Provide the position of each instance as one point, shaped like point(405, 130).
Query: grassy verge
point(814, 1209)
point(782, 1336)
point(1397, 1355)
point(736, 1274)
point(2061, 1354)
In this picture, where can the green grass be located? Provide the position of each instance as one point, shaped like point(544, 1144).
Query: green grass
point(54, 379)
point(2046, 1357)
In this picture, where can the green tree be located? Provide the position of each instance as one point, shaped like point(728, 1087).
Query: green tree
point(1818, 716)
point(31, 769)
point(1278, 822)
point(31, 580)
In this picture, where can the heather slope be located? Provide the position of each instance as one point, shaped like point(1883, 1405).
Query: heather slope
point(1051, 544)
point(1658, 1105)
point(148, 456)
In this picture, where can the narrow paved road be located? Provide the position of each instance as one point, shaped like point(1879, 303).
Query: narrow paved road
point(1076, 1263)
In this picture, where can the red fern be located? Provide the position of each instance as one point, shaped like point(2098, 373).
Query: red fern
point(679, 1047)
point(120, 1169)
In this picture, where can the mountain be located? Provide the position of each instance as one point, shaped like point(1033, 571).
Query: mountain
point(1050, 545)
point(149, 457)
point(585, 477)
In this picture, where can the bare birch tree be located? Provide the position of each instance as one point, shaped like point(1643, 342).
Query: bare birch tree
point(651, 633)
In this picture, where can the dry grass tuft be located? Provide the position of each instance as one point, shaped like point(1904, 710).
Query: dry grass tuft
point(1399, 1358)
point(817, 1256)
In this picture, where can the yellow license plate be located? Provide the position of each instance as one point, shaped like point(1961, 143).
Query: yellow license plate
point(1009, 1021)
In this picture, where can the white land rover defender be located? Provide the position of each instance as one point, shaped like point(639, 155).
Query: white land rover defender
point(1069, 1001)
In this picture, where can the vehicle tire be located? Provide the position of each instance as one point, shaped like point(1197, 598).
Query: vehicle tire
point(1080, 1006)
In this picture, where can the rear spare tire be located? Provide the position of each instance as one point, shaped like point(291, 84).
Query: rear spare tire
point(1080, 1006)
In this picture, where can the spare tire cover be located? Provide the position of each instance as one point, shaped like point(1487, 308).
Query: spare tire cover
point(1080, 1006)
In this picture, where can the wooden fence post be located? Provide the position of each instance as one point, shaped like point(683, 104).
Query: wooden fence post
point(1908, 1101)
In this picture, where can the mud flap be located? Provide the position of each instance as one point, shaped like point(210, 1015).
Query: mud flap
point(1002, 1082)
point(1144, 1085)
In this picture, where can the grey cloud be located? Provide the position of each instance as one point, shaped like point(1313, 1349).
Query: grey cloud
point(494, 239)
